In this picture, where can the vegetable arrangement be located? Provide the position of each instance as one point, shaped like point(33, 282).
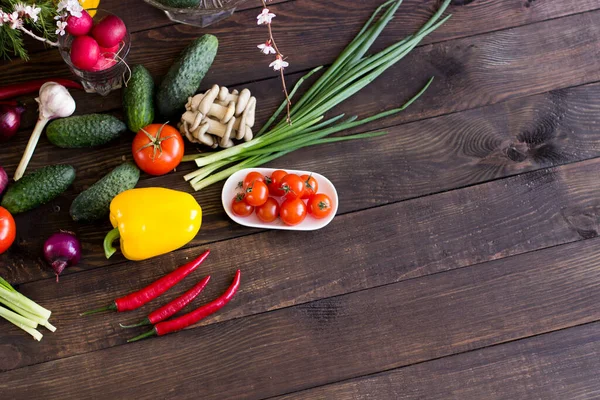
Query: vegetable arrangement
point(154, 221)
point(26, 314)
point(95, 47)
point(159, 317)
point(258, 194)
point(352, 71)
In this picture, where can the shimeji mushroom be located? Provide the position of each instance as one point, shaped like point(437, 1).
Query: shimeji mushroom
point(219, 113)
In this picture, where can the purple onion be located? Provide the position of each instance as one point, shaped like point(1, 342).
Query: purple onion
point(10, 120)
point(3, 180)
point(62, 250)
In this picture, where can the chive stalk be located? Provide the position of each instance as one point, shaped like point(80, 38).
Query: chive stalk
point(350, 73)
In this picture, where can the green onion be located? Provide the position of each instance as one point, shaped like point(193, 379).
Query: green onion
point(350, 73)
point(26, 314)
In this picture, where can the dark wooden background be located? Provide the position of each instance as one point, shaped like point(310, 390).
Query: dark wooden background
point(463, 262)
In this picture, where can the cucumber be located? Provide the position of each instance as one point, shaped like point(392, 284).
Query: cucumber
point(184, 77)
point(138, 99)
point(84, 130)
point(94, 203)
point(38, 187)
point(180, 3)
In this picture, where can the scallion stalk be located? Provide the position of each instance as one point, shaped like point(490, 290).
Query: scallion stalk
point(350, 73)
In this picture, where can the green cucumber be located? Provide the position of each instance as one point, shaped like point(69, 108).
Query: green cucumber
point(94, 203)
point(184, 77)
point(84, 130)
point(38, 187)
point(180, 3)
point(138, 99)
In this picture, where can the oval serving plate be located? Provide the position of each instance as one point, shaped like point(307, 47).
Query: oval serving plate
point(230, 189)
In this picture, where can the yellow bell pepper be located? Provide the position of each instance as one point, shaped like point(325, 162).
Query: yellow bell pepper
point(152, 221)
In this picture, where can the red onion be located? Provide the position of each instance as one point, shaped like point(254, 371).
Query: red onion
point(3, 180)
point(62, 250)
point(10, 120)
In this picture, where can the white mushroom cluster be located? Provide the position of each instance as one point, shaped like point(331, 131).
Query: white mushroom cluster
point(217, 117)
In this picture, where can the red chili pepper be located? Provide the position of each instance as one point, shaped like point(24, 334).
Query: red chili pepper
point(179, 323)
point(137, 299)
point(11, 103)
point(172, 307)
point(18, 89)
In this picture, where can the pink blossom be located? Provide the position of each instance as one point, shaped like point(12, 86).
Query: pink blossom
point(266, 48)
point(15, 21)
point(279, 63)
point(265, 17)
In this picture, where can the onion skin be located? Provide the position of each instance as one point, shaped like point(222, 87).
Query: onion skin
point(62, 250)
point(3, 180)
point(10, 120)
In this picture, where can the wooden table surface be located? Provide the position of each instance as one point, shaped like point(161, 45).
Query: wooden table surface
point(463, 262)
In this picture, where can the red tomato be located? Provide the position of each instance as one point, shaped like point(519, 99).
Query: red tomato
point(319, 205)
point(274, 182)
point(269, 211)
point(157, 149)
point(251, 177)
point(8, 230)
point(240, 207)
point(292, 186)
point(310, 186)
point(257, 194)
point(293, 211)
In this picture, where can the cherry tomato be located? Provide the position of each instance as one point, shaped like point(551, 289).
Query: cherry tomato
point(319, 205)
point(292, 186)
point(293, 211)
point(269, 211)
point(157, 149)
point(8, 230)
point(274, 182)
point(310, 186)
point(257, 194)
point(240, 207)
point(251, 177)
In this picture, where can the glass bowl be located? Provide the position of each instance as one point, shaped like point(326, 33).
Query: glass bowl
point(207, 12)
point(101, 82)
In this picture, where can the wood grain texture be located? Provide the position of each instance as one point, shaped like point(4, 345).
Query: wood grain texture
point(280, 269)
point(239, 35)
point(339, 337)
point(419, 158)
point(555, 366)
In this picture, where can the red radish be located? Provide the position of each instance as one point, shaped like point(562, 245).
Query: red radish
point(111, 50)
point(84, 52)
point(104, 63)
point(79, 26)
point(109, 31)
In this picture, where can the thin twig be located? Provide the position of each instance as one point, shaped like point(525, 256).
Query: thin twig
point(272, 41)
point(36, 37)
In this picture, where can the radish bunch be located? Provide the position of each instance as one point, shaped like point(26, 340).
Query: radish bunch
point(95, 46)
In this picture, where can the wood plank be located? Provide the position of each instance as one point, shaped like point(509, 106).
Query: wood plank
point(420, 237)
point(420, 158)
point(340, 337)
point(555, 366)
point(476, 17)
point(238, 59)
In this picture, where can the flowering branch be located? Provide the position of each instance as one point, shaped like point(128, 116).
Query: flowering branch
point(16, 15)
point(270, 47)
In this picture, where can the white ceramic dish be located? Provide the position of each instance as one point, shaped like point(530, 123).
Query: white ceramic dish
point(309, 224)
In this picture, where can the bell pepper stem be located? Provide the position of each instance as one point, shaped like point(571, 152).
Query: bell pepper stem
point(143, 323)
point(110, 237)
point(143, 336)
point(110, 307)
